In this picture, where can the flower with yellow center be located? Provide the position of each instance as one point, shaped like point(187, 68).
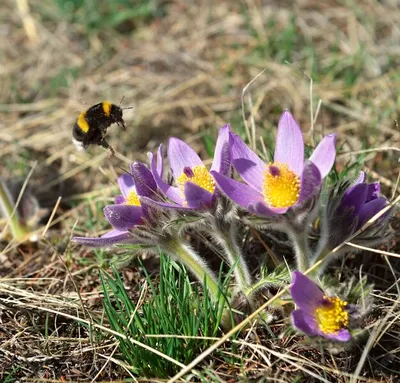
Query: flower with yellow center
point(281, 187)
point(317, 313)
point(331, 316)
point(288, 182)
point(198, 175)
point(194, 187)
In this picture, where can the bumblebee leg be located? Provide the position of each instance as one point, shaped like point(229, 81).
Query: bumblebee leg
point(106, 145)
point(121, 124)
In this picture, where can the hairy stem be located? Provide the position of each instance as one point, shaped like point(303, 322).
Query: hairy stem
point(300, 242)
point(227, 241)
point(183, 252)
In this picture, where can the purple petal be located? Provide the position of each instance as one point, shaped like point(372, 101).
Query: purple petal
point(289, 147)
point(119, 199)
point(373, 191)
point(306, 294)
point(261, 209)
point(360, 178)
point(160, 162)
point(126, 184)
point(343, 335)
point(370, 209)
point(107, 240)
point(310, 182)
point(238, 192)
point(158, 205)
point(123, 217)
point(247, 163)
point(324, 154)
point(181, 155)
point(222, 154)
point(304, 322)
point(196, 196)
point(355, 197)
point(171, 192)
point(144, 180)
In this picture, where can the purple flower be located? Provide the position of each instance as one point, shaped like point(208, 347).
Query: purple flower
point(194, 186)
point(318, 314)
point(273, 188)
point(352, 208)
point(127, 212)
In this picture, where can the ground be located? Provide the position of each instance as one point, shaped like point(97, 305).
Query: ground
point(186, 68)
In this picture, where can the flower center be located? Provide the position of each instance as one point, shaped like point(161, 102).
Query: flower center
point(331, 315)
point(281, 186)
point(132, 199)
point(199, 175)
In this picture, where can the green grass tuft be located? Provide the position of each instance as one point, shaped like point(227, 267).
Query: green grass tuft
point(176, 307)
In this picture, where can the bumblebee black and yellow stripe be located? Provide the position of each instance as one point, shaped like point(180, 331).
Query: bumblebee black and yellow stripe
point(91, 125)
point(106, 108)
point(82, 123)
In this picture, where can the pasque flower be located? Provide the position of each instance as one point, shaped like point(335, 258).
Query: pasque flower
point(317, 313)
point(194, 186)
point(351, 208)
point(287, 182)
point(136, 221)
point(127, 212)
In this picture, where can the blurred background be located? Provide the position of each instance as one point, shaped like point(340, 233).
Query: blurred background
point(183, 66)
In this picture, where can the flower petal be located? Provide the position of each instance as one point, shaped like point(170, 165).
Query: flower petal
point(373, 191)
point(304, 322)
point(238, 192)
point(289, 146)
point(123, 217)
point(310, 182)
point(118, 199)
point(360, 178)
point(306, 294)
point(196, 196)
point(247, 163)
point(355, 197)
point(222, 154)
point(343, 335)
point(158, 205)
point(324, 154)
point(127, 184)
point(160, 162)
point(107, 240)
point(144, 180)
point(370, 209)
point(171, 192)
point(180, 156)
point(261, 209)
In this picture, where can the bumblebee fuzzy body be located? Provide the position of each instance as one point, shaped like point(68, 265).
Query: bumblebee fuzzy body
point(92, 124)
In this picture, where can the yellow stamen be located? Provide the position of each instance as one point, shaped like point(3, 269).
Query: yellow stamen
point(132, 199)
point(331, 315)
point(281, 186)
point(199, 175)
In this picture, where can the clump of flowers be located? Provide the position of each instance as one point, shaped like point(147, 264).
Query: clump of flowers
point(159, 208)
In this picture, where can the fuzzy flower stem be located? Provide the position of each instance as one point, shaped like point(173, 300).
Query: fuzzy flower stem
point(183, 252)
point(322, 255)
point(228, 242)
point(6, 206)
point(301, 249)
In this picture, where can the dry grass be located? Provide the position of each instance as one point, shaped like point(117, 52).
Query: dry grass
point(184, 73)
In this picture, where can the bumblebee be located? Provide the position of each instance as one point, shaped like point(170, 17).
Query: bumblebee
point(92, 124)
